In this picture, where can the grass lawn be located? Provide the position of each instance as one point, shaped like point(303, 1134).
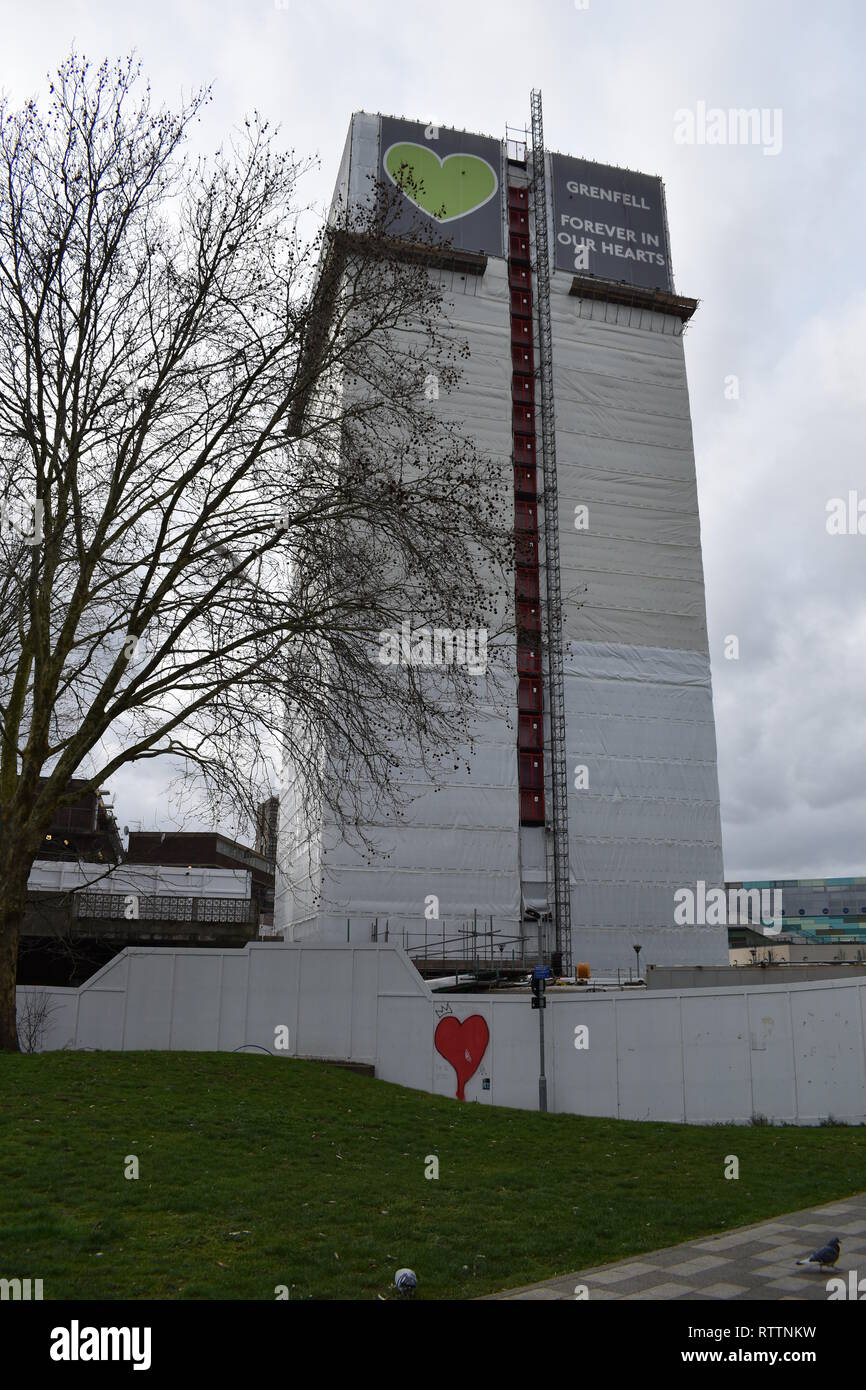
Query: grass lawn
point(256, 1172)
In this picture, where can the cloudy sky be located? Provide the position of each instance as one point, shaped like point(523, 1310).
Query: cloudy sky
point(769, 242)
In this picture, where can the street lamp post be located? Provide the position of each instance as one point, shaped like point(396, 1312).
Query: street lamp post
point(540, 975)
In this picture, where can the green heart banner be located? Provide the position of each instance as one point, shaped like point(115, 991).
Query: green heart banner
point(444, 188)
point(451, 177)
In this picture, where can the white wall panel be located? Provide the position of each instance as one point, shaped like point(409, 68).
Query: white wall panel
point(828, 1042)
point(99, 1021)
point(147, 1024)
point(791, 1053)
point(716, 1057)
point(583, 1080)
point(655, 1090)
point(234, 986)
point(196, 1002)
point(771, 1047)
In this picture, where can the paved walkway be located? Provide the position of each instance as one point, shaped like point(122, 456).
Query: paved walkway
point(751, 1262)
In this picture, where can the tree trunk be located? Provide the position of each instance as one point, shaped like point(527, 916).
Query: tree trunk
point(14, 873)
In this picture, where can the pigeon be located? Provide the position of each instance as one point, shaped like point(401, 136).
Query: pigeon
point(406, 1281)
point(827, 1255)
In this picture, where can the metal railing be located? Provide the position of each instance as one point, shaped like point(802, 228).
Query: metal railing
point(472, 941)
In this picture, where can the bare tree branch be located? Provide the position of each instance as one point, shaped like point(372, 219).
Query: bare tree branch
point(240, 478)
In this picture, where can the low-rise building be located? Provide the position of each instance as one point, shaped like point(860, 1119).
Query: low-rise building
point(826, 910)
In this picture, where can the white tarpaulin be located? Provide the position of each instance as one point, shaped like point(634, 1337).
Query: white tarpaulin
point(644, 815)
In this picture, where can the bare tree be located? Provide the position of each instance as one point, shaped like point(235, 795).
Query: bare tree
point(34, 1016)
point(234, 474)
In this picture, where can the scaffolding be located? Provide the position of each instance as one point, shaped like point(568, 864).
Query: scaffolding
point(558, 857)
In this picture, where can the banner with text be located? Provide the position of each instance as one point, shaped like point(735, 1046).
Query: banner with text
point(610, 223)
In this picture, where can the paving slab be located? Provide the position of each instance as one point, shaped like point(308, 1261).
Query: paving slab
point(757, 1262)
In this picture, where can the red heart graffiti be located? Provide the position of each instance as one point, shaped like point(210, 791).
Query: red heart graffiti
point(463, 1045)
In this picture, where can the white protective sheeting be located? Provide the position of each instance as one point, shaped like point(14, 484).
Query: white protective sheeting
point(638, 698)
point(631, 567)
point(601, 623)
point(640, 721)
point(169, 880)
point(298, 874)
point(643, 462)
point(363, 157)
point(459, 838)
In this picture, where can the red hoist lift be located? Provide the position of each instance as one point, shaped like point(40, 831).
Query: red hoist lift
point(526, 578)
